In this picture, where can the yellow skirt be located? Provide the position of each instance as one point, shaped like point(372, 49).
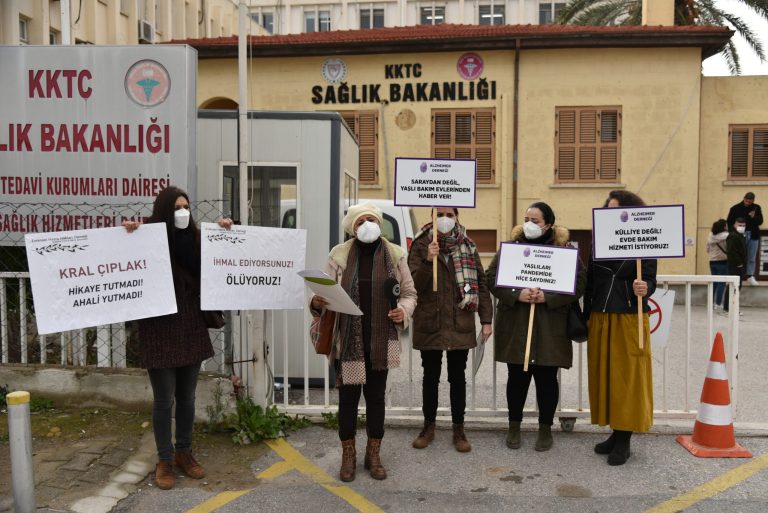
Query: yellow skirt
point(620, 373)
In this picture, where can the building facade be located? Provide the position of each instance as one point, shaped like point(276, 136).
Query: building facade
point(556, 113)
point(118, 22)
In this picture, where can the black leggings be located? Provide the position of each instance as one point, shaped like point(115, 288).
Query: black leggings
point(547, 391)
point(179, 383)
point(432, 362)
point(349, 399)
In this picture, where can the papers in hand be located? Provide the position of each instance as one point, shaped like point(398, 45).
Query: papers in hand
point(479, 351)
point(325, 286)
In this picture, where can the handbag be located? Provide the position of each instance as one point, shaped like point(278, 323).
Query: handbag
point(321, 332)
point(576, 326)
point(214, 319)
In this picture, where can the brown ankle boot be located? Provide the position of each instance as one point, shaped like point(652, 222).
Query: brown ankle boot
point(460, 439)
point(187, 463)
point(426, 436)
point(372, 459)
point(348, 460)
point(164, 477)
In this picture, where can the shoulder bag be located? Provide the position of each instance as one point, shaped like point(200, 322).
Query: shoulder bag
point(321, 332)
point(576, 326)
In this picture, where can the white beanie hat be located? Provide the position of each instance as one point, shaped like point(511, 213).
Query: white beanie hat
point(354, 213)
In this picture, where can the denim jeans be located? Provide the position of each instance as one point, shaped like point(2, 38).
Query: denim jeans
point(177, 383)
point(718, 268)
point(752, 244)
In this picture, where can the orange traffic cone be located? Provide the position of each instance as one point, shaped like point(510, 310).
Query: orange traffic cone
point(713, 431)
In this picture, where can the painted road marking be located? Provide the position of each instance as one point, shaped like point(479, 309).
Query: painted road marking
point(293, 459)
point(217, 501)
point(715, 486)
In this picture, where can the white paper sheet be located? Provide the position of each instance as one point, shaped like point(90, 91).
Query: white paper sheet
point(323, 285)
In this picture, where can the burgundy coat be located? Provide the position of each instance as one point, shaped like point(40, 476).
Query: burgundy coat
point(179, 339)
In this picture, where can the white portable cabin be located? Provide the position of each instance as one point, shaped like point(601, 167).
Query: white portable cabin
point(302, 173)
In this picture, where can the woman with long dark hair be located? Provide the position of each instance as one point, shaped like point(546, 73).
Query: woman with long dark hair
point(173, 346)
point(620, 378)
point(717, 250)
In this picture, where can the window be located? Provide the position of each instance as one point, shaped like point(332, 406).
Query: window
point(23, 31)
point(433, 15)
point(124, 7)
point(587, 144)
point(365, 125)
point(371, 17)
point(491, 14)
point(485, 240)
point(264, 18)
point(466, 134)
point(53, 37)
point(748, 152)
point(550, 11)
point(317, 21)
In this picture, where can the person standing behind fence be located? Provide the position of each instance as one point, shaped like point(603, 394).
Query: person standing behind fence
point(752, 215)
point(736, 245)
point(365, 347)
point(173, 346)
point(718, 258)
point(445, 320)
point(620, 373)
point(551, 349)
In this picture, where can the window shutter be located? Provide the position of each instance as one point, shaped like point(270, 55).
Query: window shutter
point(739, 152)
point(463, 128)
point(466, 134)
point(566, 127)
point(760, 153)
point(587, 144)
point(587, 126)
point(365, 126)
point(609, 164)
point(441, 128)
point(566, 164)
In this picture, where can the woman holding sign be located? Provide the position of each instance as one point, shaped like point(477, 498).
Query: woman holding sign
point(444, 320)
point(173, 346)
point(620, 381)
point(550, 347)
point(365, 347)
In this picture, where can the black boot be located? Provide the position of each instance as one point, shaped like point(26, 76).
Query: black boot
point(620, 453)
point(607, 446)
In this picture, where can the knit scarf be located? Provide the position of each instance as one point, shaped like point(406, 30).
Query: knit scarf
point(385, 345)
point(461, 250)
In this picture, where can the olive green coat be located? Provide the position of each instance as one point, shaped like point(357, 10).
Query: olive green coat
point(549, 344)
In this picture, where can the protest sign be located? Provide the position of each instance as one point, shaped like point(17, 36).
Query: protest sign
point(86, 278)
point(252, 268)
point(623, 233)
point(435, 183)
point(549, 268)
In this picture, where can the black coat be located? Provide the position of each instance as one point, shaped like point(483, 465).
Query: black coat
point(609, 285)
point(753, 223)
point(736, 249)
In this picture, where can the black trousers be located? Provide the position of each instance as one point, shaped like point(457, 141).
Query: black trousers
point(432, 362)
point(178, 383)
point(349, 400)
point(547, 391)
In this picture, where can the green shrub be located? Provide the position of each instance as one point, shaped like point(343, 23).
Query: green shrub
point(252, 423)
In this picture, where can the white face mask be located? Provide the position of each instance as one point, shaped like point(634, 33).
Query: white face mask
point(368, 232)
point(741, 229)
point(532, 230)
point(181, 218)
point(445, 224)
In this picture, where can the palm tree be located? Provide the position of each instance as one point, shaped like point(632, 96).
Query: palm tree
point(687, 12)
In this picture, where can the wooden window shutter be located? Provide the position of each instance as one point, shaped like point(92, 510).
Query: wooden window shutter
point(739, 161)
point(587, 144)
point(760, 153)
point(365, 125)
point(466, 134)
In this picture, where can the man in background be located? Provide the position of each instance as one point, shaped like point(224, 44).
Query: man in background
point(753, 215)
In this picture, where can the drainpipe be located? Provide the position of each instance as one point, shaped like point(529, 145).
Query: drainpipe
point(515, 121)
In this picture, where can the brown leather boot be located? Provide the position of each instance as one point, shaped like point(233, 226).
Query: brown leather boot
point(187, 463)
point(460, 439)
point(426, 436)
point(164, 477)
point(348, 460)
point(372, 459)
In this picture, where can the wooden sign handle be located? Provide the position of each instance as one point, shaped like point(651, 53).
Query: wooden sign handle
point(640, 306)
point(434, 260)
point(528, 340)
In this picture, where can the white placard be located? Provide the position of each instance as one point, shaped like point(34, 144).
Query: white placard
point(528, 266)
point(662, 304)
point(655, 231)
point(87, 278)
point(93, 126)
point(435, 183)
point(251, 268)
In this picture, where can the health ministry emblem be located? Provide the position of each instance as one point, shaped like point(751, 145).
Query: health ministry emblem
point(334, 70)
point(470, 66)
point(147, 83)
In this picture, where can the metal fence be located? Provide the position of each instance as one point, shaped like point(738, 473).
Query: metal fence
point(103, 346)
